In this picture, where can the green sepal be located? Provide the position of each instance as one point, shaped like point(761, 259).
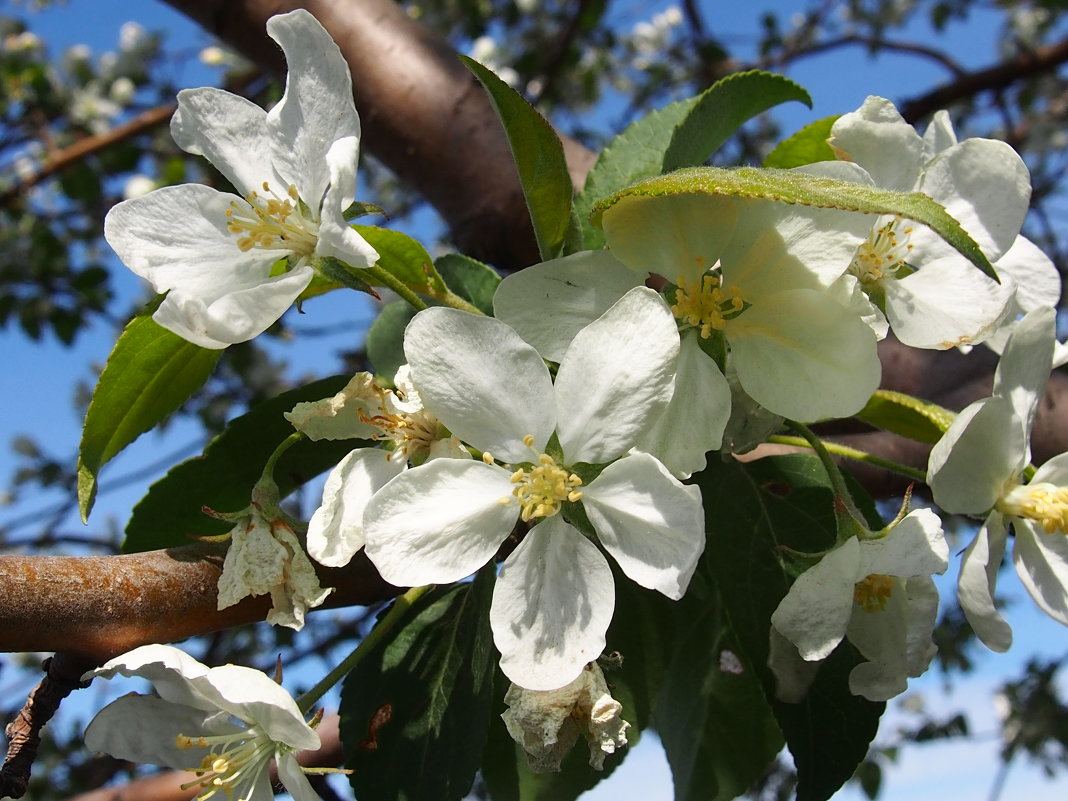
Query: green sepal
point(149, 374)
point(539, 157)
point(416, 710)
point(335, 273)
point(807, 146)
point(223, 476)
point(905, 415)
point(788, 186)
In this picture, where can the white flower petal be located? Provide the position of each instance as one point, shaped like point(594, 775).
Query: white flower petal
point(231, 132)
point(985, 186)
point(1024, 367)
point(439, 522)
point(876, 137)
point(880, 635)
point(336, 237)
point(488, 386)
point(801, 355)
point(129, 728)
point(340, 416)
point(549, 303)
point(335, 531)
point(316, 109)
point(816, 611)
point(256, 698)
point(650, 523)
point(233, 318)
point(1041, 562)
point(946, 303)
point(977, 581)
point(793, 675)
point(913, 547)
point(551, 606)
point(1033, 274)
point(616, 378)
point(169, 669)
point(980, 451)
point(198, 254)
point(939, 135)
point(694, 420)
point(676, 236)
point(294, 780)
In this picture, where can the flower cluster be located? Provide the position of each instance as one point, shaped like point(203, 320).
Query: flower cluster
point(565, 429)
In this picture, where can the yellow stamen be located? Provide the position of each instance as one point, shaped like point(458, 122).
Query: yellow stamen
point(883, 254)
point(543, 489)
point(706, 304)
point(1046, 504)
point(873, 593)
point(272, 222)
point(413, 434)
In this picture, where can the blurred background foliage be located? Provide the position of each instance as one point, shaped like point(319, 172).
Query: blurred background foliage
point(80, 131)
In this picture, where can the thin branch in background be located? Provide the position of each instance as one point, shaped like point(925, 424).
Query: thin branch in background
point(63, 674)
point(554, 63)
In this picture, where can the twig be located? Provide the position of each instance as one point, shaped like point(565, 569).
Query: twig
point(62, 676)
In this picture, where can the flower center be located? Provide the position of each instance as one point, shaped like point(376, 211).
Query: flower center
point(542, 489)
point(234, 759)
point(412, 432)
point(883, 254)
point(706, 304)
point(1046, 504)
point(873, 592)
point(273, 223)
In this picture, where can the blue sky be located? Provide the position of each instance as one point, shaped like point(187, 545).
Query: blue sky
point(38, 397)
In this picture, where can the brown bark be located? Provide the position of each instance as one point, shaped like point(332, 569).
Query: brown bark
point(96, 607)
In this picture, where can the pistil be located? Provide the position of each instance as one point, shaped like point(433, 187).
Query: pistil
point(706, 304)
point(273, 223)
point(873, 592)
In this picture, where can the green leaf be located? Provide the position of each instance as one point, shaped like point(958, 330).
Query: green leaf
point(717, 729)
point(722, 109)
point(807, 146)
point(385, 338)
point(149, 374)
point(905, 415)
point(634, 155)
point(539, 157)
point(752, 510)
point(788, 186)
point(415, 711)
point(470, 279)
point(403, 258)
point(222, 477)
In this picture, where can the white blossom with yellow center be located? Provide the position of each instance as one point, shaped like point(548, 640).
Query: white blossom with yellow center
point(878, 593)
point(941, 300)
point(365, 410)
point(978, 468)
point(225, 723)
point(215, 253)
point(441, 521)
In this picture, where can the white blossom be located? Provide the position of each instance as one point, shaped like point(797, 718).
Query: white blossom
point(217, 255)
point(978, 468)
point(441, 521)
point(225, 723)
point(932, 296)
point(878, 592)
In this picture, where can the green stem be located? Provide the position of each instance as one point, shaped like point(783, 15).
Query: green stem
point(397, 286)
point(855, 455)
point(833, 473)
point(285, 445)
point(386, 625)
point(450, 299)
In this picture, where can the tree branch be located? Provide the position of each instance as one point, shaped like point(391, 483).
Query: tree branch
point(998, 76)
point(96, 607)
